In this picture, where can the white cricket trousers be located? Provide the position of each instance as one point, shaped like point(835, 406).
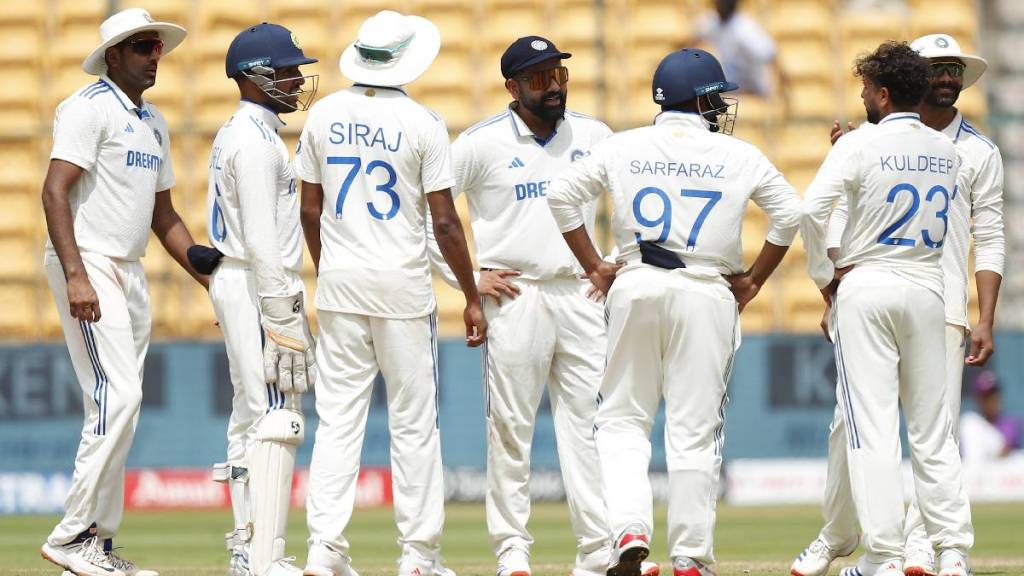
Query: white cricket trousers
point(670, 335)
point(840, 528)
point(551, 334)
point(108, 359)
point(887, 333)
point(236, 305)
point(352, 348)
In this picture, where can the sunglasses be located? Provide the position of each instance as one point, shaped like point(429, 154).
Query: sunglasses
point(381, 55)
point(955, 69)
point(146, 46)
point(541, 79)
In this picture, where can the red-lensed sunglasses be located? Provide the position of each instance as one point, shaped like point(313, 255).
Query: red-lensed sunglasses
point(541, 79)
point(146, 46)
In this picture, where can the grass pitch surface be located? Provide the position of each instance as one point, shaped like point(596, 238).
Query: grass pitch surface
point(748, 541)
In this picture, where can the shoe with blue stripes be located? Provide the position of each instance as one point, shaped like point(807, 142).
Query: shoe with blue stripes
point(891, 567)
point(816, 558)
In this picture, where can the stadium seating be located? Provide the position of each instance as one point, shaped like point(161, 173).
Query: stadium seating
point(616, 45)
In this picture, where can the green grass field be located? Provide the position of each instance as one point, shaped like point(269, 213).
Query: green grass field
point(749, 541)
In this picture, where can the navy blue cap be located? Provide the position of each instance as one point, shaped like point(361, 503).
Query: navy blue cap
point(686, 74)
point(526, 52)
point(264, 45)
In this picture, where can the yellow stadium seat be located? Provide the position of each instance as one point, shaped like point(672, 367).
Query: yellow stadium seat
point(958, 19)
point(20, 315)
point(972, 102)
point(457, 25)
point(20, 108)
point(504, 22)
point(802, 145)
point(587, 100)
point(576, 23)
point(22, 259)
point(81, 12)
point(807, 59)
point(456, 107)
point(801, 19)
point(585, 66)
point(886, 24)
point(21, 42)
point(660, 22)
point(22, 214)
point(49, 326)
point(812, 99)
point(19, 165)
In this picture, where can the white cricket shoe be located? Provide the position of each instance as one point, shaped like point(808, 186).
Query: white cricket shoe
point(953, 563)
point(412, 563)
point(324, 561)
point(630, 550)
point(127, 567)
point(816, 558)
point(238, 561)
point(891, 567)
point(514, 561)
point(284, 567)
point(82, 558)
point(920, 561)
point(684, 566)
point(440, 569)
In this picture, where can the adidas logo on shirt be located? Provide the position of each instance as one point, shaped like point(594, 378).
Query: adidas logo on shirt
point(128, 128)
point(516, 163)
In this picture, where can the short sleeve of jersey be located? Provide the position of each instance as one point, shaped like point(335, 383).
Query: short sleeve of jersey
point(464, 165)
point(436, 171)
point(307, 165)
point(78, 130)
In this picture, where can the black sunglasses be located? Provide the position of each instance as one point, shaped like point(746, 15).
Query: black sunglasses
point(145, 46)
point(955, 69)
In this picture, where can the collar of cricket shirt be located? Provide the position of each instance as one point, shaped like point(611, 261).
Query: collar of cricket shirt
point(687, 119)
point(268, 116)
point(522, 130)
point(141, 111)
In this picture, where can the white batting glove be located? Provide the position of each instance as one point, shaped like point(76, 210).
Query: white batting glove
point(289, 359)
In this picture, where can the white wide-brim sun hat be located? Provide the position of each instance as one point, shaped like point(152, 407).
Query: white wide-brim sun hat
point(391, 49)
point(124, 24)
point(945, 46)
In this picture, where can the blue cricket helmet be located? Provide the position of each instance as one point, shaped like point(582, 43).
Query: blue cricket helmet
point(265, 44)
point(686, 74)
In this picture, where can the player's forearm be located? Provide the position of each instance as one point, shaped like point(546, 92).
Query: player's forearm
point(988, 292)
point(61, 229)
point(452, 242)
point(583, 248)
point(309, 216)
point(767, 261)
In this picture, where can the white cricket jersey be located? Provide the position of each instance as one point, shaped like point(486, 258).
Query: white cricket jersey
point(505, 170)
point(976, 209)
point(680, 185)
point(125, 154)
point(251, 198)
point(377, 153)
point(898, 178)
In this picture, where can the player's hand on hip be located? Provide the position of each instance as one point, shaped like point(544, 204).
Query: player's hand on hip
point(837, 131)
point(743, 288)
point(982, 345)
point(82, 299)
point(476, 324)
point(289, 357)
point(498, 283)
point(603, 276)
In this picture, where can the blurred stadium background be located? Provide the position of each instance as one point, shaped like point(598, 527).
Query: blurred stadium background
point(783, 385)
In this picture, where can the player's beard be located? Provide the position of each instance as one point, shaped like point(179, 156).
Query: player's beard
point(873, 114)
point(945, 100)
point(542, 110)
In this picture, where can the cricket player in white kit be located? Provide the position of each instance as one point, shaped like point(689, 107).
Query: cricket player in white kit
point(370, 160)
point(543, 329)
point(680, 189)
point(258, 295)
point(108, 184)
point(898, 178)
point(975, 210)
